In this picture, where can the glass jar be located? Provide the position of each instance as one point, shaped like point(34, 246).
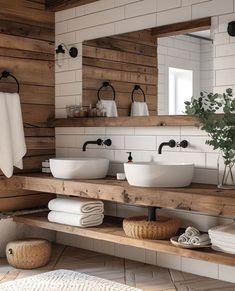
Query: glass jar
point(70, 111)
point(225, 173)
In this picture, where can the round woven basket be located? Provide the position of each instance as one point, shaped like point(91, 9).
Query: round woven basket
point(140, 227)
point(28, 253)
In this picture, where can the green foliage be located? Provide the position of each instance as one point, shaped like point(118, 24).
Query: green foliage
point(220, 127)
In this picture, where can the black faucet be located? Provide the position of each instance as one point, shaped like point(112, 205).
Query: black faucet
point(99, 142)
point(171, 143)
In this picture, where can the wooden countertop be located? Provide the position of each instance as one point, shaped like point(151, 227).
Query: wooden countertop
point(197, 197)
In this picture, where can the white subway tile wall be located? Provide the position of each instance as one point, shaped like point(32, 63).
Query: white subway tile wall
point(108, 17)
point(118, 16)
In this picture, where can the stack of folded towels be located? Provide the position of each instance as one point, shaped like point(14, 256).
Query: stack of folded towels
point(194, 237)
point(76, 211)
point(223, 238)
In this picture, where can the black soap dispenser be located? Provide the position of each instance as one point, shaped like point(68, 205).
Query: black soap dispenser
point(130, 157)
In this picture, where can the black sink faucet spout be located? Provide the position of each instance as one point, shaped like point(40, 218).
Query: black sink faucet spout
point(99, 142)
point(171, 143)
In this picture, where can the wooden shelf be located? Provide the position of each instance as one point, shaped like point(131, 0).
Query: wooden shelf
point(197, 197)
point(114, 233)
point(163, 120)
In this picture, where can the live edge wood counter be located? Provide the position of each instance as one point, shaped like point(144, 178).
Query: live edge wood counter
point(197, 197)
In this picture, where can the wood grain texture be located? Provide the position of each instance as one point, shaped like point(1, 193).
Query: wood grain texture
point(197, 197)
point(182, 27)
point(57, 5)
point(126, 60)
point(27, 50)
point(114, 233)
point(125, 121)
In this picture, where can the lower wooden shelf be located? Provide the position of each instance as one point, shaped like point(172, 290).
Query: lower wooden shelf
point(114, 233)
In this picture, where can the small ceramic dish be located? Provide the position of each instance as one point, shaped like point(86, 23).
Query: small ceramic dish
point(174, 241)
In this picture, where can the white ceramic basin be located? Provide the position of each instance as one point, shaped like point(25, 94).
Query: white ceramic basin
point(79, 168)
point(159, 174)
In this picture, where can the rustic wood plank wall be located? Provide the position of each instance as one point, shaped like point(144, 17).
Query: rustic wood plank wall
point(27, 51)
point(124, 60)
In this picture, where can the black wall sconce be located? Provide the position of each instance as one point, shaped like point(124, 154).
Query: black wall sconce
point(61, 50)
point(231, 28)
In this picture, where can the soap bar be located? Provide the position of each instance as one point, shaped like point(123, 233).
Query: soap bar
point(121, 176)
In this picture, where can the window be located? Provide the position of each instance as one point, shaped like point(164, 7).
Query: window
point(180, 89)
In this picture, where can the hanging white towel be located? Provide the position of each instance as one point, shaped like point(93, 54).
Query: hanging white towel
point(84, 220)
point(139, 109)
point(109, 106)
point(12, 141)
point(76, 205)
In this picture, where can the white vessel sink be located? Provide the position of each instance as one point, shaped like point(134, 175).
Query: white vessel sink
point(79, 168)
point(155, 174)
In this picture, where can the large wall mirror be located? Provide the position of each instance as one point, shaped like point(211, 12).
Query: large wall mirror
point(170, 63)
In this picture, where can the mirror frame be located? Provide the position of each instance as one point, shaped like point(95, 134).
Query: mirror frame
point(145, 121)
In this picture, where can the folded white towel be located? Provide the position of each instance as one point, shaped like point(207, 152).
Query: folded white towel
point(76, 205)
point(191, 231)
point(199, 239)
point(84, 220)
point(12, 141)
point(229, 243)
point(223, 249)
point(183, 239)
point(226, 231)
point(109, 106)
point(139, 109)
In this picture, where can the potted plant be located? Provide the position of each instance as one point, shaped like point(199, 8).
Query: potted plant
point(216, 113)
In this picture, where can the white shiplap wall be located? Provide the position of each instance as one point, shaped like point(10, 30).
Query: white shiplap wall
point(109, 17)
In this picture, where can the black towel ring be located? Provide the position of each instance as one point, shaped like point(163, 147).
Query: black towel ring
point(6, 74)
point(105, 85)
point(136, 88)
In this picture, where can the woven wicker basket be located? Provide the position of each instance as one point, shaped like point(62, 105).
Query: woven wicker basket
point(140, 227)
point(28, 253)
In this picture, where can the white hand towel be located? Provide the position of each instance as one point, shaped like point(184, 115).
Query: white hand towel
point(200, 239)
point(183, 239)
point(191, 231)
point(109, 106)
point(84, 220)
point(76, 205)
point(12, 141)
point(139, 109)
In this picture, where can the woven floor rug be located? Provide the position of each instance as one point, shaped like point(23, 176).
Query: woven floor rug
point(64, 280)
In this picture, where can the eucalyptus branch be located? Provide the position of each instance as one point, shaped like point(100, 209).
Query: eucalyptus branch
point(219, 127)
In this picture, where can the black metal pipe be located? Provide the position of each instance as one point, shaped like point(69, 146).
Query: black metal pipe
point(152, 213)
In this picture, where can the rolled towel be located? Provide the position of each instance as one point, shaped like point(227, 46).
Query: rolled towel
point(76, 205)
point(191, 231)
point(85, 220)
point(183, 239)
point(202, 239)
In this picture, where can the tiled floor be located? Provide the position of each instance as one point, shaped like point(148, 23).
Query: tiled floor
point(132, 273)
